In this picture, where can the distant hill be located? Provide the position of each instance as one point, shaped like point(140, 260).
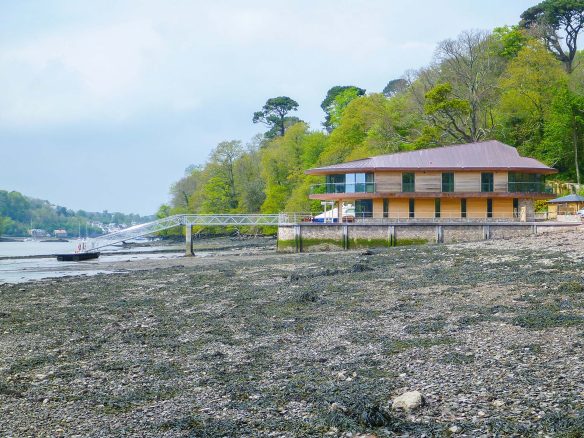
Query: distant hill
point(19, 214)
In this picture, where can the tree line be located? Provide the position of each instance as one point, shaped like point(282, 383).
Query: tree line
point(521, 84)
point(19, 213)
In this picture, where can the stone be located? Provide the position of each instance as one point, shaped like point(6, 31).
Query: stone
point(498, 403)
point(454, 429)
point(408, 401)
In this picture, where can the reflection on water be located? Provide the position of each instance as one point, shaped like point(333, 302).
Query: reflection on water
point(20, 270)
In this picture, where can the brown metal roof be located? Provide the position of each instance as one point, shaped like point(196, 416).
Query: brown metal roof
point(486, 155)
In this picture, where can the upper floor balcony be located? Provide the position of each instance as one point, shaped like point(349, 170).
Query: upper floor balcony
point(409, 188)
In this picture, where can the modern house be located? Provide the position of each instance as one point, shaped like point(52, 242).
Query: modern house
point(482, 181)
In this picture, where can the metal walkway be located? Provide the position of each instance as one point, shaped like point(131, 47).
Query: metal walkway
point(187, 220)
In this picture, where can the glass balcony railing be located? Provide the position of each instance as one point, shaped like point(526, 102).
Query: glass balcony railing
point(529, 187)
point(370, 187)
point(331, 188)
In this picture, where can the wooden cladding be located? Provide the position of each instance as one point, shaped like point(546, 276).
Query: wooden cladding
point(467, 182)
point(388, 181)
point(428, 182)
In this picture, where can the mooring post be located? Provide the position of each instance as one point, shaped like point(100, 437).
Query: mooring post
point(486, 232)
point(439, 234)
point(298, 238)
point(345, 236)
point(391, 235)
point(189, 241)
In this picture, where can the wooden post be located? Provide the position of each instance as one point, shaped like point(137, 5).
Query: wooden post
point(189, 241)
point(345, 236)
point(391, 235)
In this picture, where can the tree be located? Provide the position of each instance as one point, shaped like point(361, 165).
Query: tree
point(528, 87)
point(274, 115)
point(449, 113)
point(395, 86)
point(182, 190)
point(220, 190)
point(510, 40)
point(565, 131)
point(554, 21)
point(471, 68)
point(332, 105)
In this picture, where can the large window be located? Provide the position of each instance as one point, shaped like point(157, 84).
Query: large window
point(437, 207)
point(448, 182)
point(412, 208)
point(335, 183)
point(463, 208)
point(526, 183)
point(489, 208)
point(386, 208)
point(486, 182)
point(350, 183)
point(408, 182)
point(364, 208)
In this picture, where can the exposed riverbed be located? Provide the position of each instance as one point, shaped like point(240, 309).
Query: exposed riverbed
point(248, 342)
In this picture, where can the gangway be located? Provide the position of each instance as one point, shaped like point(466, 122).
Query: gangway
point(188, 221)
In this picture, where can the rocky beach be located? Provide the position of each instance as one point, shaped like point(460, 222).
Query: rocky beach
point(248, 342)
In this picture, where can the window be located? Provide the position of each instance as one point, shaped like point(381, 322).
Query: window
point(448, 182)
point(335, 183)
point(486, 182)
point(350, 183)
point(437, 207)
point(489, 208)
point(386, 208)
point(526, 183)
point(463, 208)
point(408, 182)
point(515, 207)
point(364, 208)
point(412, 208)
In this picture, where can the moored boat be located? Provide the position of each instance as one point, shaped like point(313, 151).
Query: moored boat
point(77, 257)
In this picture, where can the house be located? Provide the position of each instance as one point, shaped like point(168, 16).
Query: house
point(564, 206)
point(483, 181)
point(60, 233)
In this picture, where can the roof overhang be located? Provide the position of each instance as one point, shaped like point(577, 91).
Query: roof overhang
point(340, 170)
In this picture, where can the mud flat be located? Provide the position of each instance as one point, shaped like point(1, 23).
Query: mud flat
point(254, 343)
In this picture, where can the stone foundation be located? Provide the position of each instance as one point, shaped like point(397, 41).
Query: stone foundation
point(309, 237)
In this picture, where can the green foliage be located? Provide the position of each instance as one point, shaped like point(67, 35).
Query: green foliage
point(336, 100)
point(510, 39)
point(274, 115)
point(19, 212)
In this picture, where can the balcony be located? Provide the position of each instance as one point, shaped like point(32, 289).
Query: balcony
point(370, 187)
point(529, 187)
point(328, 188)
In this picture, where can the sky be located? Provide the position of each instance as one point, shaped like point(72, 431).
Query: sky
point(104, 104)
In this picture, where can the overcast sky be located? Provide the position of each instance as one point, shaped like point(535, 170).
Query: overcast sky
point(103, 104)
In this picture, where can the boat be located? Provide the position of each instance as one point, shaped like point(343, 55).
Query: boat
point(77, 257)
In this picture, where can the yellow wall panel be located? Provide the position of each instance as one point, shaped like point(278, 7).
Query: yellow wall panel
point(399, 208)
point(424, 208)
point(502, 208)
point(450, 208)
point(476, 208)
point(378, 208)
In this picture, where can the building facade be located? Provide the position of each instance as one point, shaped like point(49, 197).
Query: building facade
point(482, 181)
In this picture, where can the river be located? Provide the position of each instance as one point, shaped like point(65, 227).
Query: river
point(16, 269)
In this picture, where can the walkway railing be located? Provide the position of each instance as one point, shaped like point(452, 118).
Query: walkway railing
point(182, 220)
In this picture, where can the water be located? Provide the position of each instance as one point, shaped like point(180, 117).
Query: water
point(26, 269)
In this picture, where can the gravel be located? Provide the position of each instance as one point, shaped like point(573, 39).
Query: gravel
point(254, 343)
